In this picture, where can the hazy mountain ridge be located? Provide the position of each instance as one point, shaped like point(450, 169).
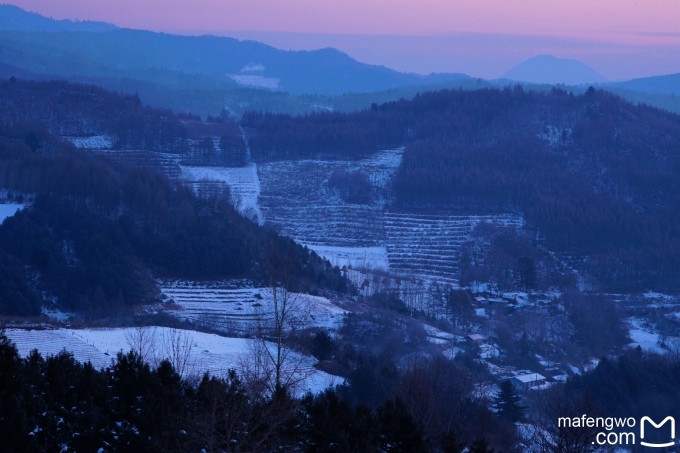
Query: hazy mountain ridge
point(663, 84)
point(208, 74)
point(15, 18)
point(82, 52)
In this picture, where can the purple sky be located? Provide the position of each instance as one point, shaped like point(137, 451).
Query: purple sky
point(619, 38)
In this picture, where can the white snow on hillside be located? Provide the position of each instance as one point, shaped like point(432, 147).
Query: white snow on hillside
point(296, 200)
point(206, 352)
point(243, 182)
point(356, 257)
point(92, 142)
point(382, 166)
point(243, 311)
point(257, 81)
point(8, 210)
point(646, 339)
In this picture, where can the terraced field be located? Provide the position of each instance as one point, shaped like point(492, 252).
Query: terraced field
point(103, 145)
point(244, 311)
point(294, 197)
point(427, 246)
point(166, 162)
point(296, 200)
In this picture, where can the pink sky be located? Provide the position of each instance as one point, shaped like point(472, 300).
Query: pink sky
point(619, 38)
point(591, 18)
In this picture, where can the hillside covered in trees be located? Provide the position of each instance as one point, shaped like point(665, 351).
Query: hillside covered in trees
point(592, 174)
point(96, 233)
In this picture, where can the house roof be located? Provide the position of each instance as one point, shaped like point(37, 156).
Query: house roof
point(528, 378)
point(476, 336)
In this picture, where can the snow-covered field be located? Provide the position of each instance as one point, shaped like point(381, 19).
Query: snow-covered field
point(8, 210)
point(206, 352)
point(649, 340)
point(243, 183)
point(245, 310)
point(357, 257)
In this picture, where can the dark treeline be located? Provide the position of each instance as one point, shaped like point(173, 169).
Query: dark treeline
point(68, 109)
point(322, 135)
point(215, 142)
point(601, 187)
point(95, 233)
point(595, 175)
point(54, 403)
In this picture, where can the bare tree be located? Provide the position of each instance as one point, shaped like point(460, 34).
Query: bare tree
point(549, 436)
point(284, 312)
point(177, 348)
point(142, 341)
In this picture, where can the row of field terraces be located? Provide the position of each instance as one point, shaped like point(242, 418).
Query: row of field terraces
point(103, 145)
point(168, 163)
point(204, 352)
point(336, 226)
point(427, 246)
point(244, 311)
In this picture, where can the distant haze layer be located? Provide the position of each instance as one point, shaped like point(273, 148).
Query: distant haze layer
point(618, 38)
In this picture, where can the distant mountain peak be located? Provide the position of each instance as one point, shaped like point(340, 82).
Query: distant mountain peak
point(553, 70)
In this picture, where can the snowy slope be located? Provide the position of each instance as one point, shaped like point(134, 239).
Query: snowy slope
point(243, 182)
point(207, 352)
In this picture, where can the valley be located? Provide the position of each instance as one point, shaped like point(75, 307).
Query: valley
point(423, 238)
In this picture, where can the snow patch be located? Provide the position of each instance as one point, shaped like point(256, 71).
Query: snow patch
point(645, 338)
point(257, 81)
point(243, 182)
point(8, 210)
point(92, 142)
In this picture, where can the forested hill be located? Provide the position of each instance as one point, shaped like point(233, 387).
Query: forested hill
point(596, 176)
point(83, 110)
point(96, 234)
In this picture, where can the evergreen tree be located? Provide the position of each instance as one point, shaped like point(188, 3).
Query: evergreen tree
point(480, 446)
point(508, 403)
point(526, 273)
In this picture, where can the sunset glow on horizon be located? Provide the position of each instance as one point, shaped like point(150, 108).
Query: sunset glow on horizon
point(582, 18)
